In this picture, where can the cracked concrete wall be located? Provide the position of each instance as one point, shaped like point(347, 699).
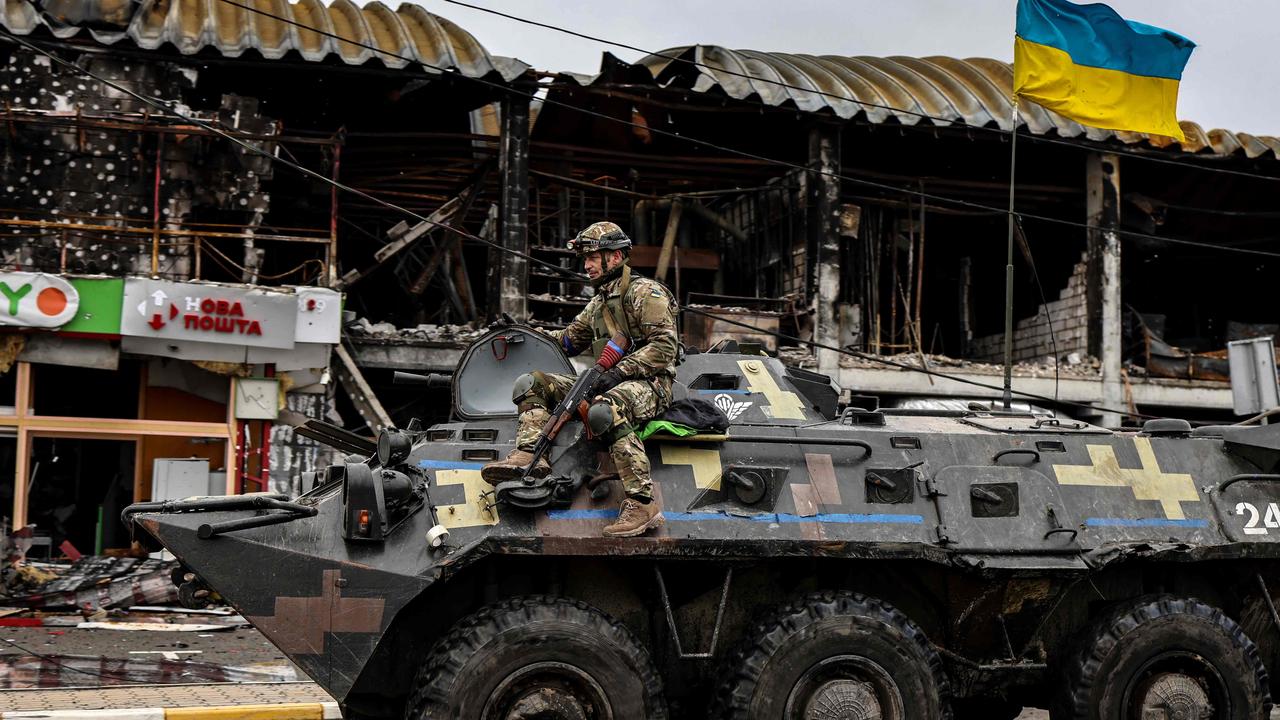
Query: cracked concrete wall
point(57, 169)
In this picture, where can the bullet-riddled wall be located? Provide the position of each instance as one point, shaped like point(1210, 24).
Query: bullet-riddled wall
point(84, 164)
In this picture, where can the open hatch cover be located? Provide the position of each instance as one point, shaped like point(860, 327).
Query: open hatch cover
point(488, 369)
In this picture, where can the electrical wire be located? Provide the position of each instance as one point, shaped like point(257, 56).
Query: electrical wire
point(732, 151)
point(1044, 303)
point(945, 122)
point(163, 106)
point(300, 266)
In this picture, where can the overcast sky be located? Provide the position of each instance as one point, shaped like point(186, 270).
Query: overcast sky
point(1230, 82)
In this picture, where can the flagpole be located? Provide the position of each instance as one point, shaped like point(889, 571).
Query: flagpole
point(1008, 269)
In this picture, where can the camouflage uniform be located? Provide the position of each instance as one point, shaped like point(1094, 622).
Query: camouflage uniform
point(645, 311)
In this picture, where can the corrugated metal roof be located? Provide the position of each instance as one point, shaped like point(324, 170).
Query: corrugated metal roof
point(975, 91)
point(193, 25)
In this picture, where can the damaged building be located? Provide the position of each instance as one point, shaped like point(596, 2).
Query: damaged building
point(173, 295)
point(861, 202)
point(855, 201)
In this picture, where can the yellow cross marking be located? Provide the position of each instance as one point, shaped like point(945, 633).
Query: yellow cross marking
point(782, 403)
point(705, 463)
point(472, 511)
point(1147, 482)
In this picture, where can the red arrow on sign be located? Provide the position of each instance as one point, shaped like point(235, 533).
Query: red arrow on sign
point(173, 311)
point(156, 322)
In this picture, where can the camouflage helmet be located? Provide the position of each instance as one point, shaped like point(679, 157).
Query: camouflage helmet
point(600, 236)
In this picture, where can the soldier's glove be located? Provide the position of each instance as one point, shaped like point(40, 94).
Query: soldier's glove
point(609, 379)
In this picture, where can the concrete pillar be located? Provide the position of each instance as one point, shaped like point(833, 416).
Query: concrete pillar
point(509, 274)
point(823, 242)
point(1103, 278)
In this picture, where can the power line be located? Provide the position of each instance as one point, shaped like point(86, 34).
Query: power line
point(165, 107)
point(844, 98)
point(751, 155)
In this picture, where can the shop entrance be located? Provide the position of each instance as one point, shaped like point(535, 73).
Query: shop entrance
point(77, 488)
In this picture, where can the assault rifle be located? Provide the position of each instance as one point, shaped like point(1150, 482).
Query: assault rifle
point(578, 393)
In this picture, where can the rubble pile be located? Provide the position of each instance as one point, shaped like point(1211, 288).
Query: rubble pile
point(91, 583)
point(1072, 365)
point(461, 334)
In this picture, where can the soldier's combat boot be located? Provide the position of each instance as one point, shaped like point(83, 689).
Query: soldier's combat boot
point(510, 467)
point(635, 518)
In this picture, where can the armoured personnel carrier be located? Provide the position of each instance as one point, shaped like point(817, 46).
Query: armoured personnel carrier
point(816, 562)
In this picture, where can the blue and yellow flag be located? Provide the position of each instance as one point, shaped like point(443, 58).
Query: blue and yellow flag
point(1087, 63)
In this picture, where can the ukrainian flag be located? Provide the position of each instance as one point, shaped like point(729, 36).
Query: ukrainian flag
point(1087, 63)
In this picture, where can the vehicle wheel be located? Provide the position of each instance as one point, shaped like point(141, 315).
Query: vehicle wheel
point(539, 657)
point(1165, 657)
point(836, 655)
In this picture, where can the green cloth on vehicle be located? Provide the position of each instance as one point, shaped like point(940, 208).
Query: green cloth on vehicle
point(665, 426)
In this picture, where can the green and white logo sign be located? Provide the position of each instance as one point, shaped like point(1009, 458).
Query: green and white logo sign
point(36, 300)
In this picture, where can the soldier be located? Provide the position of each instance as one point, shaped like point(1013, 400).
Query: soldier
point(636, 389)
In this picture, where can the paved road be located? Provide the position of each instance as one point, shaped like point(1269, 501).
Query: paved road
point(164, 696)
point(242, 647)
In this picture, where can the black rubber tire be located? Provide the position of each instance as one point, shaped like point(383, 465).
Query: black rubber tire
point(468, 667)
point(1138, 639)
point(784, 651)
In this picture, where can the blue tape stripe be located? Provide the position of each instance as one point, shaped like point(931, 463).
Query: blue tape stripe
point(449, 465)
point(1144, 522)
point(847, 518)
point(724, 392)
point(1096, 36)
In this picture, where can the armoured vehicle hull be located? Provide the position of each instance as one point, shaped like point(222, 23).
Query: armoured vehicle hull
point(813, 564)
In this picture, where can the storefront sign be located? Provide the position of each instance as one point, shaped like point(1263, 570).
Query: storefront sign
point(36, 300)
point(319, 315)
point(209, 313)
point(99, 311)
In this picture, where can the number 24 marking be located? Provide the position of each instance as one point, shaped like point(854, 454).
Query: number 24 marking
point(1270, 520)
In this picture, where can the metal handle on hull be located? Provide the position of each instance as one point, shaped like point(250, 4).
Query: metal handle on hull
point(210, 530)
point(849, 442)
point(273, 501)
point(1017, 451)
point(1246, 476)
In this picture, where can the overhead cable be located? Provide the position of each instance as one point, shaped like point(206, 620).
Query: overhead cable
point(755, 156)
point(956, 122)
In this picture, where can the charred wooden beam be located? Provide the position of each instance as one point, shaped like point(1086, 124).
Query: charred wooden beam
point(1103, 277)
point(823, 242)
point(508, 272)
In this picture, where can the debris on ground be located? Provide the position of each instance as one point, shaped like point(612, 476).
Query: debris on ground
point(92, 583)
point(461, 334)
point(31, 671)
point(153, 627)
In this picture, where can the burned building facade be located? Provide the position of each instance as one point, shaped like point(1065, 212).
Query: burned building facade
point(172, 290)
point(858, 202)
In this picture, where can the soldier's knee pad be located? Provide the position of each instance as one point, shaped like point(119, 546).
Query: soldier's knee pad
point(600, 417)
